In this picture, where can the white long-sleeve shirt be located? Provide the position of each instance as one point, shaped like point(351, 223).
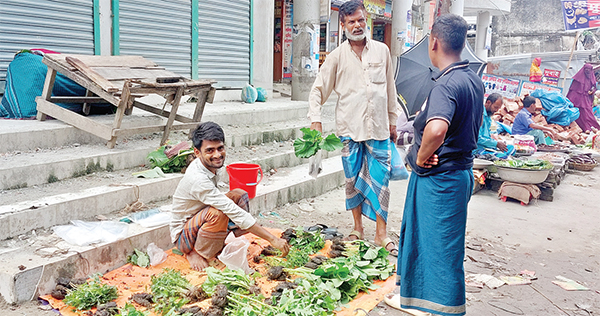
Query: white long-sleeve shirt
point(198, 189)
point(367, 103)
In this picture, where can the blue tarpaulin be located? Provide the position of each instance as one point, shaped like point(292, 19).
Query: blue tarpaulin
point(25, 81)
point(557, 108)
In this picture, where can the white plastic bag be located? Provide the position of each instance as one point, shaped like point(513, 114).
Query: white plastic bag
point(235, 253)
point(151, 218)
point(85, 233)
point(157, 255)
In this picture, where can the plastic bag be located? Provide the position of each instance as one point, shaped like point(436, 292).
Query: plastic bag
point(235, 253)
point(151, 218)
point(157, 255)
point(86, 233)
point(525, 144)
point(399, 171)
point(249, 94)
point(262, 95)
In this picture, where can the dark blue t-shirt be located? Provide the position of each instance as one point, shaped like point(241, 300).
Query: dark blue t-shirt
point(456, 98)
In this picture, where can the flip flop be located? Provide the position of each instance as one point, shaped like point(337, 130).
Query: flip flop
point(356, 234)
point(330, 233)
point(387, 241)
point(393, 300)
point(316, 227)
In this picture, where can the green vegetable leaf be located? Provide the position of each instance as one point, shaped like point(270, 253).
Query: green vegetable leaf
point(90, 294)
point(331, 143)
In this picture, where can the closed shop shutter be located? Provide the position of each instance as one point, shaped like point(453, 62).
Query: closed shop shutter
point(158, 30)
point(224, 42)
point(65, 26)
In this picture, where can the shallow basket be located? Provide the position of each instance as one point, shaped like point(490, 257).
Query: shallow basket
point(582, 166)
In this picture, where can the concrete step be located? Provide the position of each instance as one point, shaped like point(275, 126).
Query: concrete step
point(31, 264)
point(35, 167)
point(101, 193)
point(26, 135)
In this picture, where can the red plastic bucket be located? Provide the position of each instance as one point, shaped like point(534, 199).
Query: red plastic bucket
point(244, 176)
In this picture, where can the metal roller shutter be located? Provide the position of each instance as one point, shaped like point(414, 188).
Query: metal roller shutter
point(224, 42)
point(65, 26)
point(158, 30)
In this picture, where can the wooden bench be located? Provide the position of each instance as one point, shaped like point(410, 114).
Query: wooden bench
point(119, 80)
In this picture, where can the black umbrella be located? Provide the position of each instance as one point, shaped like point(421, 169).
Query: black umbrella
point(415, 73)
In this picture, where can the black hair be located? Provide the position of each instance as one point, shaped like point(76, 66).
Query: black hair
point(451, 30)
point(494, 97)
point(528, 101)
point(207, 131)
point(348, 8)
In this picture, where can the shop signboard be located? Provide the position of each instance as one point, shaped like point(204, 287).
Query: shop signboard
point(581, 14)
point(527, 87)
point(375, 6)
point(551, 77)
point(506, 87)
point(287, 39)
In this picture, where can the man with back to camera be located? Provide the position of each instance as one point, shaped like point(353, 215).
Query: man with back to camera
point(202, 213)
point(524, 124)
point(360, 71)
point(432, 237)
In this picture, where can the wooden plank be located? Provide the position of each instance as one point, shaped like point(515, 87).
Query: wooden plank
point(160, 112)
point(160, 90)
point(151, 129)
point(77, 100)
point(202, 96)
point(72, 118)
point(122, 73)
point(81, 80)
point(47, 91)
point(171, 118)
point(92, 75)
point(121, 108)
point(107, 61)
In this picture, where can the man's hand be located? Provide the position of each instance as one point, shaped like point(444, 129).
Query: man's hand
point(502, 146)
point(430, 162)
point(282, 245)
point(552, 133)
point(393, 133)
point(317, 126)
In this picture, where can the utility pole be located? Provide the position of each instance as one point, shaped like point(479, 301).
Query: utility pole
point(400, 11)
point(458, 7)
point(483, 23)
point(305, 47)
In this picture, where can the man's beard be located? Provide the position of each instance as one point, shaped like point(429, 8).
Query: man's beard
point(357, 37)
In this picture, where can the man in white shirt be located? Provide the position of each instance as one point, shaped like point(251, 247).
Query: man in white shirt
point(202, 213)
point(360, 71)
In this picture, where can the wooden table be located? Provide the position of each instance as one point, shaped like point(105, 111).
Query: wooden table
point(119, 80)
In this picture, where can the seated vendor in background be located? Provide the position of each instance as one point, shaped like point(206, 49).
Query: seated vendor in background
point(485, 140)
point(524, 124)
point(202, 214)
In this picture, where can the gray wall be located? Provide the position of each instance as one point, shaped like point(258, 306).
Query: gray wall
point(532, 26)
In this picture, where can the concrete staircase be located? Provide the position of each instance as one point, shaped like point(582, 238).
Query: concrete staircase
point(52, 173)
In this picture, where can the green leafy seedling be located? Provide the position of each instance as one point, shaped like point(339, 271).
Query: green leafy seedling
point(312, 141)
point(90, 294)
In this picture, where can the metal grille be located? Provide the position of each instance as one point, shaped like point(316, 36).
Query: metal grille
point(159, 30)
point(224, 42)
point(65, 26)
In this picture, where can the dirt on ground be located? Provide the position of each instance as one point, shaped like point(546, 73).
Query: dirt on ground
point(559, 238)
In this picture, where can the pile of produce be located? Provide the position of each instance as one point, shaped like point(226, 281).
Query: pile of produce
point(171, 159)
point(531, 164)
point(305, 283)
point(585, 159)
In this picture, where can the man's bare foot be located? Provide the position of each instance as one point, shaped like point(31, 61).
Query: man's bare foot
point(197, 262)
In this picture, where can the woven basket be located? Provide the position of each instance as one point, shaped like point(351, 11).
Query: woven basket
point(582, 166)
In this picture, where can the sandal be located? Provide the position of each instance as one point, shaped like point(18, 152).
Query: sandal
point(356, 234)
point(386, 242)
point(316, 227)
point(393, 300)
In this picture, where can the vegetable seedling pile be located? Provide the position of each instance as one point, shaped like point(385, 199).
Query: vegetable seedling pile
point(315, 279)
